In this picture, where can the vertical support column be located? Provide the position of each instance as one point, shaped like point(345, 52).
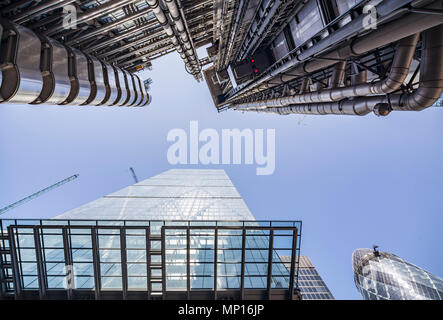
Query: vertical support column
point(188, 263)
point(148, 262)
point(69, 267)
point(123, 261)
point(15, 268)
point(96, 262)
point(215, 261)
point(292, 270)
point(242, 272)
point(270, 252)
point(163, 252)
point(40, 266)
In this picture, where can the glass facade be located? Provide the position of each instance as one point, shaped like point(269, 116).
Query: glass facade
point(311, 285)
point(384, 276)
point(175, 194)
point(218, 251)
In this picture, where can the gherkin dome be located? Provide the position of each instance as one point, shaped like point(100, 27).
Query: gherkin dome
point(385, 276)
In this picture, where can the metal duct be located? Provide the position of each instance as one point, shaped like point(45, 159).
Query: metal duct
point(54, 66)
point(141, 92)
point(183, 47)
point(397, 75)
point(405, 26)
point(121, 87)
point(78, 74)
point(20, 64)
point(37, 69)
point(337, 75)
point(431, 75)
point(131, 89)
point(98, 92)
point(429, 89)
point(111, 85)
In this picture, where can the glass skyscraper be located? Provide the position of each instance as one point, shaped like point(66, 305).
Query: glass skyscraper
point(385, 276)
point(183, 234)
point(311, 285)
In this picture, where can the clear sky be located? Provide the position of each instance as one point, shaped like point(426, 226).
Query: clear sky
point(353, 181)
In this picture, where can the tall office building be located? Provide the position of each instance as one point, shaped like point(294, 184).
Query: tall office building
point(385, 276)
point(345, 57)
point(310, 283)
point(183, 234)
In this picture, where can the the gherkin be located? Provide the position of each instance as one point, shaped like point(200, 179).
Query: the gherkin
point(385, 276)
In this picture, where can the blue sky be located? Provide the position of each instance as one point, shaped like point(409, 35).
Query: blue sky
point(353, 181)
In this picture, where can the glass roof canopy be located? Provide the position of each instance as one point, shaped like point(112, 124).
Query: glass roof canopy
point(140, 259)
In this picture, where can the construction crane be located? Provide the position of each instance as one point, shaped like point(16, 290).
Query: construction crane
point(38, 193)
point(133, 174)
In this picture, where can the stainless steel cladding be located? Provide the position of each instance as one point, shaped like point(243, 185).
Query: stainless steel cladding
point(131, 87)
point(80, 85)
point(111, 84)
point(98, 92)
point(37, 69)
point(22, 79)
point(122, 87)
point(54, 68)
point(142, 93)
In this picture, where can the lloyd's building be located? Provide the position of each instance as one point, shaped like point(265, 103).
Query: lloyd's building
point(183, 234)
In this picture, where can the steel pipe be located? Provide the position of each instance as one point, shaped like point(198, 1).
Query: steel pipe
point(96, 77)
point(122, 87)
point(429, 89)
point(22, 79)
point(397, 75)
point(183, 46)
point(110, 84)
point(78, 75)
point(54, 69)
point(407, 25)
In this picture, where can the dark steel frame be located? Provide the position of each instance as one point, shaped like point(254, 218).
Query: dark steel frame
point(37, 230)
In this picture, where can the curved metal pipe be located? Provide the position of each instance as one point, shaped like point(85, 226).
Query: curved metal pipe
point(78, 75)
point(429, 89)
point(397, 75)
point(110, 84)
point(22, 79)
point(98, 91)
point(431, 75)
point(405, 26)
point(54, 67)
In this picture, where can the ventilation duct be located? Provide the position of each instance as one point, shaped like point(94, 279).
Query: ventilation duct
point(39, 70)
